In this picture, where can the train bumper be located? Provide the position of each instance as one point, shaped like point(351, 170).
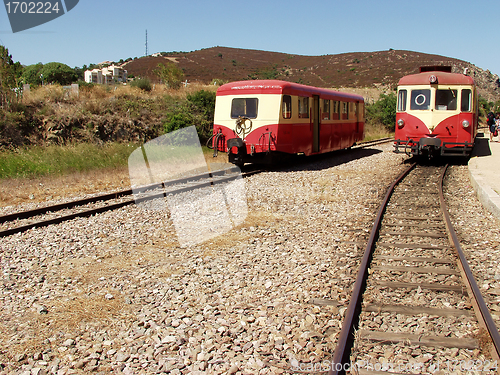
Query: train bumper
point(432, 147)
point(237, 151)
point(238, 154)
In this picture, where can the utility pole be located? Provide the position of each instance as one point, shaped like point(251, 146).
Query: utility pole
point(146, 42)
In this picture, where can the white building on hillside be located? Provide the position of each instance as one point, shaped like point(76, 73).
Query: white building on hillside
point(110, 74)
point(93, 76)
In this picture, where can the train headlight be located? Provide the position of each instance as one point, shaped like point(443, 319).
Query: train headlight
point(401, 123)
point(465, 124)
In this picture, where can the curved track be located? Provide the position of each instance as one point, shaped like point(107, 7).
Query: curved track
point(413, 274)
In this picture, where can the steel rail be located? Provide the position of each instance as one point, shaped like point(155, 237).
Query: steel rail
point(373, 142)
point(62, 206)
point(342, 352)
point(60, 219)
point(483, 314)
point(93, 211)
point(105, 197)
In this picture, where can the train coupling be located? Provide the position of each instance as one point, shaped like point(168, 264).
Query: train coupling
point(237, 157)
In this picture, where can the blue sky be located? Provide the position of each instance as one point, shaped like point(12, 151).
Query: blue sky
point(96, 31)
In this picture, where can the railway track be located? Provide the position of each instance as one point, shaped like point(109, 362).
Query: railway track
point(54, 214)
point(414, 293)
point(373, 143)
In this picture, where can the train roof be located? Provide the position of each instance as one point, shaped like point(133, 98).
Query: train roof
point(443, 78)
point(272, 86)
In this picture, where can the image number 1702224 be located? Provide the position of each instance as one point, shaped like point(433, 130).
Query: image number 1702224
point(25, 15)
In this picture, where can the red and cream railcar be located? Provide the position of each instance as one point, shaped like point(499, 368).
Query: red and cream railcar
point(259, 121)
point(436, 113)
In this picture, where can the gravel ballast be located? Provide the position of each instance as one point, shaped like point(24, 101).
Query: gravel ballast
point(116, 293)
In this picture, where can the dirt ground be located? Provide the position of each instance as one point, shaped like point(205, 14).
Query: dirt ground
point(40, 189)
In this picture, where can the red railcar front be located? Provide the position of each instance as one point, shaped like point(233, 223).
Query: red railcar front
point(436, 113)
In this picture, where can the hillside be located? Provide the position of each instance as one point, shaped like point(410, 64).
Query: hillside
point(380, 69)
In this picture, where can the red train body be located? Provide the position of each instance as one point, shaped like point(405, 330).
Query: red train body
point(436, 113)
point(258, 121)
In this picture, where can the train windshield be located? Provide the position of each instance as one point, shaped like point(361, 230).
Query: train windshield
point(402, 100)
point(466, 100)
point(446, 100)
point(244, 107)
point(420, 100)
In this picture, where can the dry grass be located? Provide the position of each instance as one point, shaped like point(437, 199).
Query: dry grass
point(56, 93)
point(376, 131)
point(86, 309)
point(43, 94)
point(160, 257)
point(16, 191)
point(40, 189)
point(79, 311)
point(74, 315)
point(228, 240)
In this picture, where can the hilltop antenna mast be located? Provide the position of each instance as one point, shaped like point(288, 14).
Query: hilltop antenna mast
point(146, 42)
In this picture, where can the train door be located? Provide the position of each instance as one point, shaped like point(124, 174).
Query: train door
point(316, 122)
point(358, 110)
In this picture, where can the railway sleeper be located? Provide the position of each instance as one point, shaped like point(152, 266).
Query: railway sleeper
point(414, 234)
point(421, 340)
point(415, 310)
point(412, 246)
point(437, 287)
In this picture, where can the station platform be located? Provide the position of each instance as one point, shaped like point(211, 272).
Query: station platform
point(484, 170)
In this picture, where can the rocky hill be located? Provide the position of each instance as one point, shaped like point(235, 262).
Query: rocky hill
point(380, 70)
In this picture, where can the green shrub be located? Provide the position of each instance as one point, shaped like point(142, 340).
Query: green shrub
point(170, 74)
point(180, 118)
point(198, 111)
point(202, 105)
point(383, 111)
point(142, 83)
point(204, 101)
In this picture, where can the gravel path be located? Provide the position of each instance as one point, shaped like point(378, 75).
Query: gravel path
point(115, 293)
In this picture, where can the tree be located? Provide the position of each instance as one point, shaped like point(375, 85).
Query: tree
point(80, 72)
point(170, 74)
point(31, 74)
point(9, 74)
point(55, 72)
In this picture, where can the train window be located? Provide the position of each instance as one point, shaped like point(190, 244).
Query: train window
point(345, 110)
point(326, 110)
point(402, 95)
point(446, 100)
point(303, 107)
point(466, 105)
point(420, 100)
point(244, 107)
point(287, 106)
point(336, 110)
point(352, 110)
